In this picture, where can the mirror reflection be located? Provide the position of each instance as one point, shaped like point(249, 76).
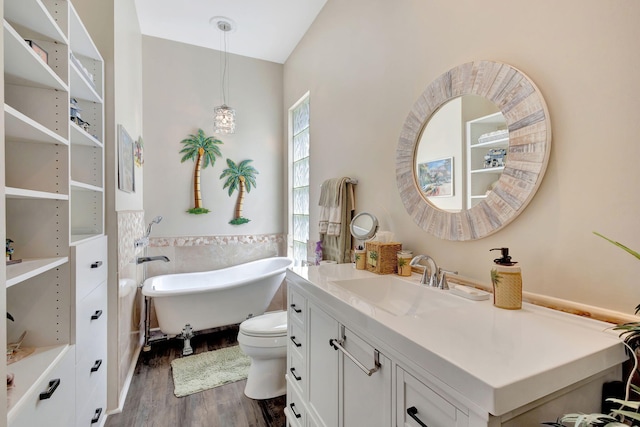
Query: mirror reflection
point(461, 152)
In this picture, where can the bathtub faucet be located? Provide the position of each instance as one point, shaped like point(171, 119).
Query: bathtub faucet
point(143, 259)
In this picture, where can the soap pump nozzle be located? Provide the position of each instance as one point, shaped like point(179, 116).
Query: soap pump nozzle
point(506, 258)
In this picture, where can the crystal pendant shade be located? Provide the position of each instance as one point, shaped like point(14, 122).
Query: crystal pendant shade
point(224, 119)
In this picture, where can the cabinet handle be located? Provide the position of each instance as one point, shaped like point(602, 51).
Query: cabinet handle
point(297, 310)
point(96, 315)
point(96, 365)
point(293, 340)
point(96, 416)
point(96, 264)
point(337, 345)
point(413, 414)
point(53, 385)
point(292, 406)
point(293, 372)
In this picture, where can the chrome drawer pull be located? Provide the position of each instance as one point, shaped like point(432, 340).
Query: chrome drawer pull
point(412, 413)
point(96, 365)
point(96, 264)
point(96, 416)
point(297, 310)
point(293, 372)
point(293, 340)
point(291, 405)
point(337, 345)
point(53, 385)
point(96, 315)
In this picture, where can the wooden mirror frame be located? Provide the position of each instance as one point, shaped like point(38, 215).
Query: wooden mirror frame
point(527, 118)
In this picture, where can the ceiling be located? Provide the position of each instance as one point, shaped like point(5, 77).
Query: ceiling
point(267, 30)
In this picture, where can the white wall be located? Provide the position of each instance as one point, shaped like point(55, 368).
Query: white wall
point(365, 62)
point(181, 88)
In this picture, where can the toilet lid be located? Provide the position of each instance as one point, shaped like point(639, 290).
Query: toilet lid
point(266, 325)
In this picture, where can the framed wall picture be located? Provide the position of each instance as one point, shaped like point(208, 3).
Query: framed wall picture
point(436, 177)
point(126, 164)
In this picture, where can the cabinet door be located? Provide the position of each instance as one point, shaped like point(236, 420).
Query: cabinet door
point(366, 398)
point(322, 362)
point(418, 403)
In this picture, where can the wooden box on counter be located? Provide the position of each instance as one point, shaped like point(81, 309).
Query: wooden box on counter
point(382, 258)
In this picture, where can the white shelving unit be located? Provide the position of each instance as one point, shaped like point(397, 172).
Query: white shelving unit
point(480, 178)
point(54, 200)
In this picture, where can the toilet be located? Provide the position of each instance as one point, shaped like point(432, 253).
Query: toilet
point(264, 339)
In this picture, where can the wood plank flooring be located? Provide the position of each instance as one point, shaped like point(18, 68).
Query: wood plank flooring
point(151, 402)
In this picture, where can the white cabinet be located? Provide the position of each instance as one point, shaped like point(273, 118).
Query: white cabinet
point(486, 137)
point(54, 197)
point(334, 377)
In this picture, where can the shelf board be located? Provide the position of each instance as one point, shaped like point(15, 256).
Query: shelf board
point(21, 193)
point(81, 186)
point(77, 239)
point(81, 42)
point(502, 142)
point(29, 371)
point(81, 137)
point(29, 268)
point(32, 14)
point(80, 86)
point(482, 196)
point(488, 170)
point(19, 127)
point(23, 67)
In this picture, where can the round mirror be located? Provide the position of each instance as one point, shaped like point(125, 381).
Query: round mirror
point(473, 150)
point(364, 226)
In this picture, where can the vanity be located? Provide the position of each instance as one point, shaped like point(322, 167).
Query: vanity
point(381, 350)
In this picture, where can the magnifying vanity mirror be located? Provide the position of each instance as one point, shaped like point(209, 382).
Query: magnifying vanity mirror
point(364, 226)
point(473, 150)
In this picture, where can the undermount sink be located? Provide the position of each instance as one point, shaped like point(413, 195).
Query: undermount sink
point(400, 297)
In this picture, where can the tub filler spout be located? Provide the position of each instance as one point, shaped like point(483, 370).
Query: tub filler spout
point(143, 259)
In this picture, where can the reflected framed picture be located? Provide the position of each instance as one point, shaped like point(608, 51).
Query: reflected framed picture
point(126, 164)
point(435, 177)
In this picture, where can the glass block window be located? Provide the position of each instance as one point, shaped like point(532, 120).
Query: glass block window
point(299, 191)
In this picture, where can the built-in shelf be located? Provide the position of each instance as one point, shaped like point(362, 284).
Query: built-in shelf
point(81, 186)
point(80, 136)
point(81, 43)
point(502, 142)
point(29, 268)
point(80, 86)
point(21, 193)
point(489, 170)
point(19, 127)
point(33, 14)
point(26, 67)
point(79, 238)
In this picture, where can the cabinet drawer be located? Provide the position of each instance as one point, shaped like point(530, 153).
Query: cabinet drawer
point(297, 306)
point(57, 410)
point(425, 404)
point(90, 373)
point(91, 408)
point(90, 263)
point(296, 371)
point(91, 324)
point(295, 410)
point(297, 338)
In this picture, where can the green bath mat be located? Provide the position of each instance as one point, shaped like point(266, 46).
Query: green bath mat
point(192, 374)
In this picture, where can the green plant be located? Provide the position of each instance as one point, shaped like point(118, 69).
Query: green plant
point(242, 177)
point(627, 415)
point(204, 150)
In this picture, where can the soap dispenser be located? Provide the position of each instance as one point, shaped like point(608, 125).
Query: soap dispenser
point(507, 281)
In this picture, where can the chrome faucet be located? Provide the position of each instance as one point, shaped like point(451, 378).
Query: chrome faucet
point(143, 259)
point(429, 275)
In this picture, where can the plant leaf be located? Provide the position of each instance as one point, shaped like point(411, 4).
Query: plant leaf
point(620, 245)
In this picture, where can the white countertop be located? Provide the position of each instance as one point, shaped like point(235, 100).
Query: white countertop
point(497, 359)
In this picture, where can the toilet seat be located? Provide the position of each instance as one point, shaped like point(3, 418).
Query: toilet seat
point(266, 325)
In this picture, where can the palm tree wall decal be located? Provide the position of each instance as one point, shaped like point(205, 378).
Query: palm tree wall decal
point(204, 150)
point(240, 177)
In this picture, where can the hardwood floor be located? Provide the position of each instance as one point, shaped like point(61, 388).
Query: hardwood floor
point(151, 402)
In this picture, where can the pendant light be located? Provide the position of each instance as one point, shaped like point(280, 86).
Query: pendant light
point(224, 116)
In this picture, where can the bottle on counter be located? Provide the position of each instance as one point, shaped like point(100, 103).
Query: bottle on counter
point(507, 281)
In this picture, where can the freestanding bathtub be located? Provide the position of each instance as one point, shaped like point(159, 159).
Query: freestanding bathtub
point(214, 298)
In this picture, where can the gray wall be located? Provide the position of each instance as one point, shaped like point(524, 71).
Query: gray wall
point(365, 62)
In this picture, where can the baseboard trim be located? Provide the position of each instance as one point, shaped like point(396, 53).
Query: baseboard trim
point(127, 382)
